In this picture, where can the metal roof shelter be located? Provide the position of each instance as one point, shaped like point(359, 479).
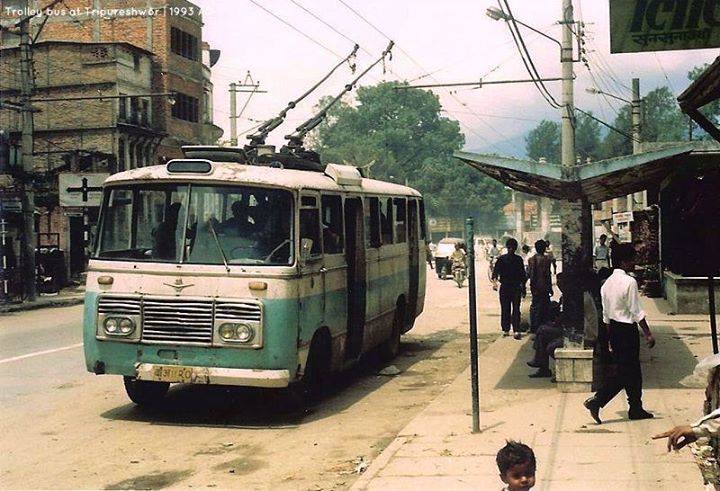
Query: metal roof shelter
point(597, 181)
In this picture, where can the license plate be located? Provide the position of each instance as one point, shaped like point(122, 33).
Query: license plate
point(171, 373)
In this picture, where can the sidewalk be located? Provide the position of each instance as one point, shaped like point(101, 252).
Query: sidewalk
point(437, 450)
point(66, 297)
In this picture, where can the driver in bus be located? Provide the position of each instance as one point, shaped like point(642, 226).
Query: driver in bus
point(164, 234)
point(239, 223)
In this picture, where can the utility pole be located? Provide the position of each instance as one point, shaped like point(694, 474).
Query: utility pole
point(29, 239)
point(254, 87)
point(576, 215)
point(640, 197)
point(233, 112)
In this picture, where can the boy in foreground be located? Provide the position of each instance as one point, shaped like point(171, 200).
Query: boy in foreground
point(516, 463)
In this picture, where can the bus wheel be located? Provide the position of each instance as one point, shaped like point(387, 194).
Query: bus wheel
point(144, 393)
point(316, 379)
point(390, 348)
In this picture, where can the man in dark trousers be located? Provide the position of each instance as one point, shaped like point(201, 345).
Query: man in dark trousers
point(510, 270)
point(540, 285)
point(622, 314)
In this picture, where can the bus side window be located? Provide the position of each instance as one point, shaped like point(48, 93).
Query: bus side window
point(400, 220)
point(332, 224)
point(386, 221)
point(372, 223)
point(310, 223)
point(423, 225)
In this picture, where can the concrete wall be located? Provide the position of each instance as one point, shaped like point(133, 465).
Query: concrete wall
point(689, 295)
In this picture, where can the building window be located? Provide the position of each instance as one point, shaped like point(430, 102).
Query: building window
point(136, 62)
point(145, 112)
point(121, 165)
point(186, 107)
point(183, 44)
point(122, 108)
point(134, 110)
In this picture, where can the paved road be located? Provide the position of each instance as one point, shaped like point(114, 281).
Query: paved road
point(65, 428)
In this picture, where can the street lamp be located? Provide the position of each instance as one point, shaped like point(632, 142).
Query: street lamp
point(593, 90)
point(496, 14)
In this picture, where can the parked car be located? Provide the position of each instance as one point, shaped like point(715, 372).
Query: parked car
point(446, 246)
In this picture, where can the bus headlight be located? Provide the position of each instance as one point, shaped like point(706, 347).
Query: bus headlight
point(239, 333)
point(245, 333)
point(119, 326)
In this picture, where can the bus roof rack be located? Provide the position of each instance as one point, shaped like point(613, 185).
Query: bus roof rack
point(344, 175)
point(215, 153)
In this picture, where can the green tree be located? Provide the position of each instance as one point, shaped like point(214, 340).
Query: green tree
point(710, 111)
point(407, 138)
point(661, 121)
point(544, 141)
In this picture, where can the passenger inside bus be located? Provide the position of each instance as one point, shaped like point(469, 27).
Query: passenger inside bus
point(240, 223)
point(164, 234)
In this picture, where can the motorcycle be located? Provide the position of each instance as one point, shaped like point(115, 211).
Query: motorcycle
point(459, 271)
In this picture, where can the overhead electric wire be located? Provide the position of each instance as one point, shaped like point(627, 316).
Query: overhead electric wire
point(527, 58)
point(425, 71)
point(607, 125)
point(301, 32)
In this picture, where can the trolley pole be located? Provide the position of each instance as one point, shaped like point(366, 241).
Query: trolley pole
point(470, 242)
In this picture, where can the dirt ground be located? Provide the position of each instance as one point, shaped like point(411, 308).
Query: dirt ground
point(84, 432)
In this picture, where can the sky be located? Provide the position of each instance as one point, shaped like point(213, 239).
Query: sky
point(436, 42)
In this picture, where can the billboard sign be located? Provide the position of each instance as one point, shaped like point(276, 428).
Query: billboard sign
point(81, 189)
point(661, 25)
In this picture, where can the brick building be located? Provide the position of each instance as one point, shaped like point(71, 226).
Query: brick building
point(132, 51)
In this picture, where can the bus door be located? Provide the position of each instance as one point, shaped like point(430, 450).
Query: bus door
point(312, 282)
point(356, 276)
point(413, 259)
point(334, 269)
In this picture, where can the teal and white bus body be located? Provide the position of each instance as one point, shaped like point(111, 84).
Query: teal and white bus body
point(222, 273)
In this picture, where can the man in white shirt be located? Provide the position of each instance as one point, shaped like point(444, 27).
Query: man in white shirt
point(621, 315)
point(706, 427)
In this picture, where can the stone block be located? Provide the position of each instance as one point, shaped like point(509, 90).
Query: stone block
point(574, 369)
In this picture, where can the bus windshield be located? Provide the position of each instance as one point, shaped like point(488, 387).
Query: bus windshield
point(196, 224)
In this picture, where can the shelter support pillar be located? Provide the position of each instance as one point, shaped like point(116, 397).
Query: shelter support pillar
point(545, 205)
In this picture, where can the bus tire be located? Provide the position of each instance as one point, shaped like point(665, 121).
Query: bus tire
point(317, 376)
point(390, 348)
point(144, 393)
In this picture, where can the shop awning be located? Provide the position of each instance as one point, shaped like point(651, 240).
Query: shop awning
point(598, 181)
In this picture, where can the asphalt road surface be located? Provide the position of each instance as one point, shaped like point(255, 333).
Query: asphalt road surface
point(65, 428)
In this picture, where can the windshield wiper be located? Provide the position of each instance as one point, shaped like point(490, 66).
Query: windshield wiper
point(217, 241)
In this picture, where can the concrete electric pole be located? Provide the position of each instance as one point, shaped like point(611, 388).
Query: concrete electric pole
point(233, 112)
point(636, 105)
point(28, 239)
point(576, 215)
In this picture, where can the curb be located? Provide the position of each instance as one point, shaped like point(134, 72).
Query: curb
point(379, 463)
point(56, 302)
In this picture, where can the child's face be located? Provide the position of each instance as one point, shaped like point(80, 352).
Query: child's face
point(519, 477)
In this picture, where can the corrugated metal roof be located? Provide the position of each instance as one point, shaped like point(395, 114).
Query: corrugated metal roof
point(598, 181)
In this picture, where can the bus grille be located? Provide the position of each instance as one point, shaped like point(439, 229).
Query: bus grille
point(180, 320)
point(177, 320)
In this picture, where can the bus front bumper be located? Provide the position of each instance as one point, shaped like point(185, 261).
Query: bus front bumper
point(246, 377)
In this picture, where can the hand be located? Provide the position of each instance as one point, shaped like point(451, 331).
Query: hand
point(650, 340)
point(678, 437)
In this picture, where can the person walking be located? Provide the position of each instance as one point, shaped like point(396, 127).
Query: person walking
point(621, 316)
point(509, 270)
point(540, 285)
point(602, 254)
